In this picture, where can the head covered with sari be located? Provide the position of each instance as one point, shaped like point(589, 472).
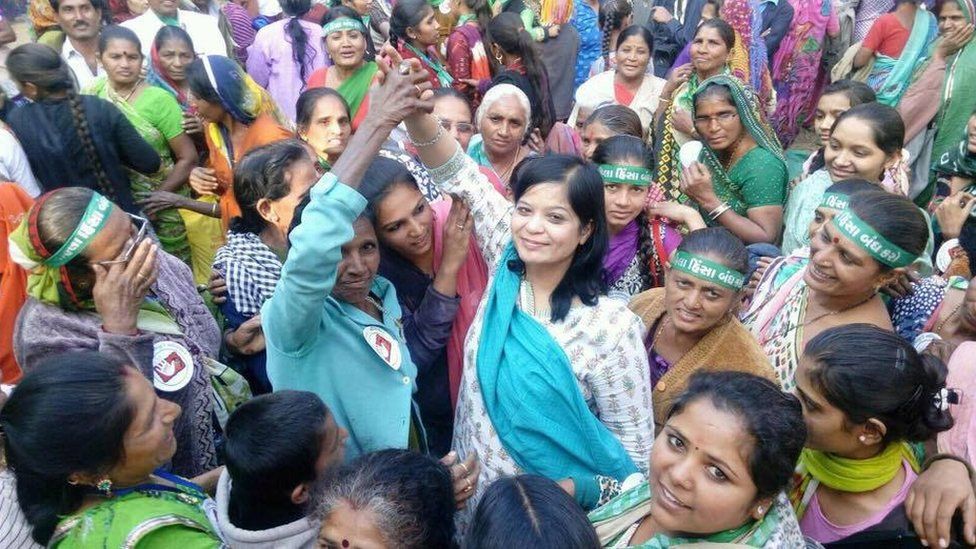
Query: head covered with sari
point(156, 74)
point(238, 94)
point(958, 89)
point(747, 107)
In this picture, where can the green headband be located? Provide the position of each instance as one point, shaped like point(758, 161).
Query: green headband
point(835, 201)
point(869, 240)
point(342, 24)
point(707, 270)
point(94, 218)
point(629, 175)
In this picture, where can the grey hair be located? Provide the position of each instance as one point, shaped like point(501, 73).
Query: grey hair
point(361, 490)
point(500, 91)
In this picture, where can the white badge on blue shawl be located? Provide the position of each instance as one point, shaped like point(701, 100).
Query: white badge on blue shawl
point(385, 346)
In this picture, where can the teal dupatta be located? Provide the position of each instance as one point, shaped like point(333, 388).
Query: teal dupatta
point(891, 77)
point(532, 396)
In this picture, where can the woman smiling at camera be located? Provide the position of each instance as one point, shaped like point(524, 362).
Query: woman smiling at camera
point(350, 74)
point(554, 382)
point(718, 468)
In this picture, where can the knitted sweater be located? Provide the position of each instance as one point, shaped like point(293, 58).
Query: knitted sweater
point(174, 362)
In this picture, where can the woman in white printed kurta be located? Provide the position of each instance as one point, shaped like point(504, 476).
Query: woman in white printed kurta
point(603, 343)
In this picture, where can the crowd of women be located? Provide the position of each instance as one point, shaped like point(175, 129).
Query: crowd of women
point(488, 274)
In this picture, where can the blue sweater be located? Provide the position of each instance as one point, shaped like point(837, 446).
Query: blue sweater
point(317, 343)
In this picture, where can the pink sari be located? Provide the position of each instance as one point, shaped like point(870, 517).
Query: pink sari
point(796, 66)
point(471, 282)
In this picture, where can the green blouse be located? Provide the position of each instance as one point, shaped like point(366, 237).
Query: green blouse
point(758, 179)
point(147, 517)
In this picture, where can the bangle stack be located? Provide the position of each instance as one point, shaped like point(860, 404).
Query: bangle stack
point(718, 211)
point(433, 141)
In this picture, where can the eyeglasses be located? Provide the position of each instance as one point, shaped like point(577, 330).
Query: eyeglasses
point(722, 118)
point(462, 127)
point(143, 227)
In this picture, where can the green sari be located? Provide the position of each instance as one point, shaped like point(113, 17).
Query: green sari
point(760, 177)
point(168, 224)
point(355, 90)
point(614, 521)
point(958, 91)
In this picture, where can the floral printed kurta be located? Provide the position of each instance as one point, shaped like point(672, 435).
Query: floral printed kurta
point(603, 343)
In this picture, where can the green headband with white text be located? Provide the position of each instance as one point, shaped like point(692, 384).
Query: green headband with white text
point(707, 270)
point(835, 201)
point(627, 175)
point(95, 216)
point(342, 24)
point(869, 240)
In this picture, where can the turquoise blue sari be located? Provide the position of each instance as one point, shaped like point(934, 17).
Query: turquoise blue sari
point(890, 77)
point(533, 399)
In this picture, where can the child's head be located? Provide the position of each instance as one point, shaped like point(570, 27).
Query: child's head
point(278, 445)
point(863, 387)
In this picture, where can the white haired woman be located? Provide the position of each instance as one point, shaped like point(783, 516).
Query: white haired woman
point(503, 122)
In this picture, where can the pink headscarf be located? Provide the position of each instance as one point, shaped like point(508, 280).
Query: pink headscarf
point(471, 282)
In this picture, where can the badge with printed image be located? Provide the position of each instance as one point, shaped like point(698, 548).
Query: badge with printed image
point(384, 345)
point(172, 366)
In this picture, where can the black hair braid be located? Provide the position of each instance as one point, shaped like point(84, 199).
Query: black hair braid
point(88, 144)
point(301, 53)
point(535, 70)
point(645, 252)
point(607, 29)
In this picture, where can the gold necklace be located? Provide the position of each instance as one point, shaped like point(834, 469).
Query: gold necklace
point(940, 325)
point(132, 91)
point(806, 323)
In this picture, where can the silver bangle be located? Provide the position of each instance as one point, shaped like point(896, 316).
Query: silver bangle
point(721, 209)
point(437, 137)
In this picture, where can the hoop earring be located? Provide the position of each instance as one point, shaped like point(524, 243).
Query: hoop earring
point(498, 57)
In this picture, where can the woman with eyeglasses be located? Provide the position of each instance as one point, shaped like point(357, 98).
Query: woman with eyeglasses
point(739, 179)
point(98, 282)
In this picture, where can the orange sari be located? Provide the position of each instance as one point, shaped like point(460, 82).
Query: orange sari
point(14, 204)
point(262, 131)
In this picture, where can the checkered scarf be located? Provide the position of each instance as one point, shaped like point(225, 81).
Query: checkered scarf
point(251, 270)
